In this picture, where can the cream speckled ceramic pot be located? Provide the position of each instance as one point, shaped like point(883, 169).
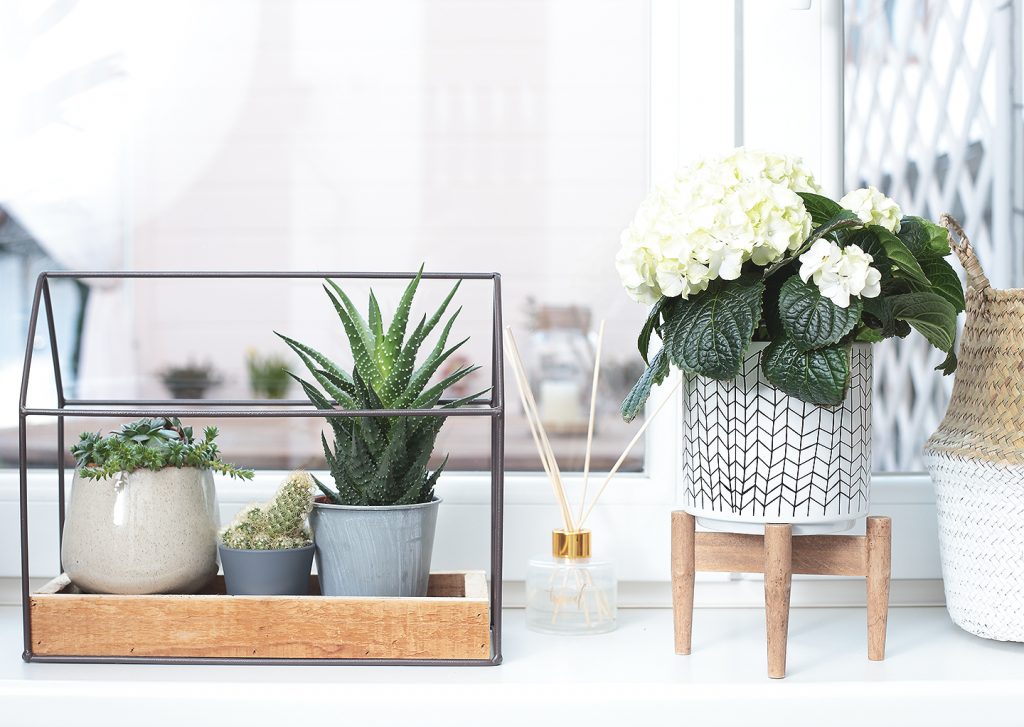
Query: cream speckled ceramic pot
point(143, 532)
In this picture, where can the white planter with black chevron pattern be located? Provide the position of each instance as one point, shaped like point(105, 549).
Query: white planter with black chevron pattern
point(754, 455)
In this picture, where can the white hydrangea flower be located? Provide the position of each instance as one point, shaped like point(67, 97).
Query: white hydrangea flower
point(873, 208)
point(840, 272)
point(712, 218)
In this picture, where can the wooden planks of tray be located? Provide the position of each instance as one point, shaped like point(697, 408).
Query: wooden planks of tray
point(451, 622)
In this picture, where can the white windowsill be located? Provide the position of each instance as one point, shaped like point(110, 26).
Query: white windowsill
point(934, 674)
point(631, 525)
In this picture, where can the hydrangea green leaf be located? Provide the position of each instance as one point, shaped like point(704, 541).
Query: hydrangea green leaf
point(821, 209)
point(944, 282)
point(637, 397)
point(930, 314)
point(923, 237)
point(708, 333)
point(811, 320)
point(899, 255)
point(818, 377)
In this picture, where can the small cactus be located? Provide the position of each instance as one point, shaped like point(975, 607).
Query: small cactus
point(276, 525)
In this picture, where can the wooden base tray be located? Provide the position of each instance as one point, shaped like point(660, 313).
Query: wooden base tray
point(452, 623)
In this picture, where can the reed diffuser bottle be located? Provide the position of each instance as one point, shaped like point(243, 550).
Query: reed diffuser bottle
point(570, 592)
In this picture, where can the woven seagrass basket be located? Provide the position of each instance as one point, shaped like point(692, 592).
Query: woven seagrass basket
point(976, 460)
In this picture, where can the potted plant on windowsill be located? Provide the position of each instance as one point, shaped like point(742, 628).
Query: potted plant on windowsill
point(189, 381)
point(142, 516)
point(268, 375)
point(767, 296)
point(374, 531)
point(267, 550)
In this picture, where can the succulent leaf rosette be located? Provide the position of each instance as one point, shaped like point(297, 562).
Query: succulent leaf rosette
point(745, 247)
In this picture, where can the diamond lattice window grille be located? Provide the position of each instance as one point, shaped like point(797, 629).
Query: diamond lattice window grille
point(922, 113)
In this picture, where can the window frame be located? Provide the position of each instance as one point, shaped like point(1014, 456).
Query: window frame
point(631, 523)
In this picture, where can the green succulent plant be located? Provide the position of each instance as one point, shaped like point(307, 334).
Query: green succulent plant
point(383, 460)
point(268, 375)
point(277, 525)
point(151, 444)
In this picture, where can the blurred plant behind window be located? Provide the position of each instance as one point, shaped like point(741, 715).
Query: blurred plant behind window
point(298, 134)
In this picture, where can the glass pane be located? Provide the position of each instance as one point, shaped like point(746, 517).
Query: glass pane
point(924, 125)
point(314, 135)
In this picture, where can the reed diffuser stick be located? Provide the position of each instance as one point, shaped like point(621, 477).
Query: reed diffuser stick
point(540, 439)
point(593, 413)
point(629, 447)
point(532, 403)
point(541, 452)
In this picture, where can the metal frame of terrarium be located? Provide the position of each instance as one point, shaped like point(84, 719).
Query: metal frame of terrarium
point(492, 407)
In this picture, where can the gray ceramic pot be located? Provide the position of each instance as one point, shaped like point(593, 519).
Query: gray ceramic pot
point(267, 572)
point(374, 551)
point(142, 532)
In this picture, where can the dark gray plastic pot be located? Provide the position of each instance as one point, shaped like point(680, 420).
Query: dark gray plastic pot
point(374, 551)
point(267, 572)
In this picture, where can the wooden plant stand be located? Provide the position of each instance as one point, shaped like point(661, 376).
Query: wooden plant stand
point(779, 555)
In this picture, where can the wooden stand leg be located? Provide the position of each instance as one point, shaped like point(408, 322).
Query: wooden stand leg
point(879, 560)
point(683, 526)
point(778, 555)
point(778, 578)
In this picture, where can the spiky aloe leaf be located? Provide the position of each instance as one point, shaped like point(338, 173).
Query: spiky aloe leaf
point(384, 459)
point(358, 470)
point(431, 396)
point(345, 384)
point(401, 372)
point(302, 350)
point(461, 402)
point(380, 485)
point(430, 365)
point(357, 341)
point(375, 321)
point(361, 326)
point(436, 318)
point(428, 486)
point(341, 395)
point(392, 343)
point(416, 456)
point(458, 403)
point(373, 429)
point(341, 427)
point(328, 492)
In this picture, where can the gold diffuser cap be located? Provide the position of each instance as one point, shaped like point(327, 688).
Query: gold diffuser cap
point(570, 544)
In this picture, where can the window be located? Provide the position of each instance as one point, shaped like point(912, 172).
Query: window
point(319, 135)
point(930, 120)
point(494, 134)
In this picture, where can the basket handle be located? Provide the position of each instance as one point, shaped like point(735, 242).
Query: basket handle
point(964, 250)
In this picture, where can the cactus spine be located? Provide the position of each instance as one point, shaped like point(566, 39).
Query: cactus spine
point(278, 524)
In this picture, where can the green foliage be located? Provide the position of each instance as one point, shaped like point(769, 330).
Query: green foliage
point(382, 460)
point(924, 238)
point(652, 324)
point(190, 380)
point(709, 332)
point(929, 314)
point(811, 320)
point(656, 373)
point(808, 356)
point(820, 208)
point(820, 375)
point(151, 444)
point(280, 523)
point(883, 245)
point(268, 375)
point(943, 281)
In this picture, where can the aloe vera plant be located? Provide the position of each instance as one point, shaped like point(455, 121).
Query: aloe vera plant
point(383, 460)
